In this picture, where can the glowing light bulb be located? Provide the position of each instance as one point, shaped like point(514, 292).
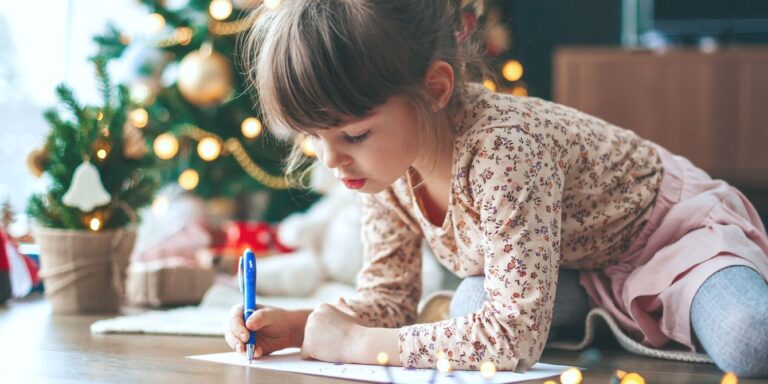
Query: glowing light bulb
point(490, 85)
point(155, 22)
point(99, 115)
point(272, 4)
point(95, 224)
point(251, 127)
point(729, 378)
point(512, 70)
point(139, 117)
point(101, 154)
point(382, 358)
point(571, 376)
point(487, 370)
point(166, 146)
point(189, 179)
point(308, 147)
point(632, 378)
point(520, 90)
point(160, 206)
point(184, 35)
point(209, 149)
point(124, 39)
point(220, 9)
point(140, 93)
point(443, 365)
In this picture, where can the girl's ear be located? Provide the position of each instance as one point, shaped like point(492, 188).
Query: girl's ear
point(440, 82)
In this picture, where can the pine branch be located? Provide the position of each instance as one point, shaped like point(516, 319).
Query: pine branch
point(68, 98)
point(105, 85)
point(111, 45)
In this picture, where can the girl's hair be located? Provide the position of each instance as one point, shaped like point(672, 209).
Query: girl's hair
point(317, 63)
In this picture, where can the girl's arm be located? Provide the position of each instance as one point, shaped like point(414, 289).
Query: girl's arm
point(357, 329)
point(516, 188)
point(377, 340)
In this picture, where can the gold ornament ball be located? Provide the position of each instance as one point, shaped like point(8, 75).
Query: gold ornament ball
point(36, 161)
point(205, 79)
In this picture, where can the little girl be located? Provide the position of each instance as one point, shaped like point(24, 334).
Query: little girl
point(514, 194)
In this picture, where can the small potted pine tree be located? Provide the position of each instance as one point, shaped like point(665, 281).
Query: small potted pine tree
point(99, 175)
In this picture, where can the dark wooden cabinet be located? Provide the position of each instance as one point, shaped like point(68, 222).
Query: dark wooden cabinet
point(709, 107)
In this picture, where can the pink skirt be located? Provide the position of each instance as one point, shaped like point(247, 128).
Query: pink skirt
point(697, 227)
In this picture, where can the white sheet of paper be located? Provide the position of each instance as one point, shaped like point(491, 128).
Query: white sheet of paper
point(290, 361)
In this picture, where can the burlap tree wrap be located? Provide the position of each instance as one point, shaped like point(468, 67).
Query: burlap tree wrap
point(84, 271)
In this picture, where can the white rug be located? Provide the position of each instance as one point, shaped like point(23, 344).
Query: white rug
point(210, 317)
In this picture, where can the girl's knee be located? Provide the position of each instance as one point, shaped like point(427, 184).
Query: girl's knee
point(469, 296)
point(739, 341)
point(732, 327)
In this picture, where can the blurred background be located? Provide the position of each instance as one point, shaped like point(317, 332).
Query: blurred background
point(690, 75)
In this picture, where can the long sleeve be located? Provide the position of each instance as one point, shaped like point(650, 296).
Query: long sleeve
point(516, 187)
point(389, 284)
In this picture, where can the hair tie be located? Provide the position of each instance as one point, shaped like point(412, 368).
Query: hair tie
point(468, 22)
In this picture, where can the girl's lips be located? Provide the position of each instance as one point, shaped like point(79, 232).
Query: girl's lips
point(354, 183)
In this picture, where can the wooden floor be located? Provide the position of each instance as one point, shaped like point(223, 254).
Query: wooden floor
point(38, 347)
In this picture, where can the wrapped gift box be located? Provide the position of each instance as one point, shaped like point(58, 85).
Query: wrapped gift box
point(167, 283)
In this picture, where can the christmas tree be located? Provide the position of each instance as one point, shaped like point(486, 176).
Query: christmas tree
point(193, 105)
point(99, 170)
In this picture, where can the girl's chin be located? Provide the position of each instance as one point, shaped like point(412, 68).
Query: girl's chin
point(371, 188)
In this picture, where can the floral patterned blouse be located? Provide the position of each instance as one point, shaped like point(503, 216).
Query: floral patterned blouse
point(536, 185)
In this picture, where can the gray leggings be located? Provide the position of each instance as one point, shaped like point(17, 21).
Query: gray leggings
point(729, 315)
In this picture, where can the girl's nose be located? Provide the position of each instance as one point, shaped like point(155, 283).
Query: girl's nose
point(333, 157)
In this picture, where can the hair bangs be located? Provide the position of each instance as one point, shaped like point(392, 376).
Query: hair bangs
point(328, 66)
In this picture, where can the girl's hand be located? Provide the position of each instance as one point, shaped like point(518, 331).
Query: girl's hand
point(330, 335)
point(273, 326)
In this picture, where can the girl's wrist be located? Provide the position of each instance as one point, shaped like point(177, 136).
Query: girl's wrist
point(368, 342)
point(297, 320)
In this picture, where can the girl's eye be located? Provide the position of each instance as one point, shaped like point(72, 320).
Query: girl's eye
point(357, 139)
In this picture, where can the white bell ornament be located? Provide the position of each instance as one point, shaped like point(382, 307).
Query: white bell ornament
point(86, 191)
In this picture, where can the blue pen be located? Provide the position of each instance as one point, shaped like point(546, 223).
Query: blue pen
point(247, 275)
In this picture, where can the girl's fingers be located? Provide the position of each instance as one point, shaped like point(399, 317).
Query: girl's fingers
point(238, 329)
point(229, 339)
point(236, 309)
point(259, 319)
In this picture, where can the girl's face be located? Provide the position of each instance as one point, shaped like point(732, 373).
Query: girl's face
point(371, 153)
